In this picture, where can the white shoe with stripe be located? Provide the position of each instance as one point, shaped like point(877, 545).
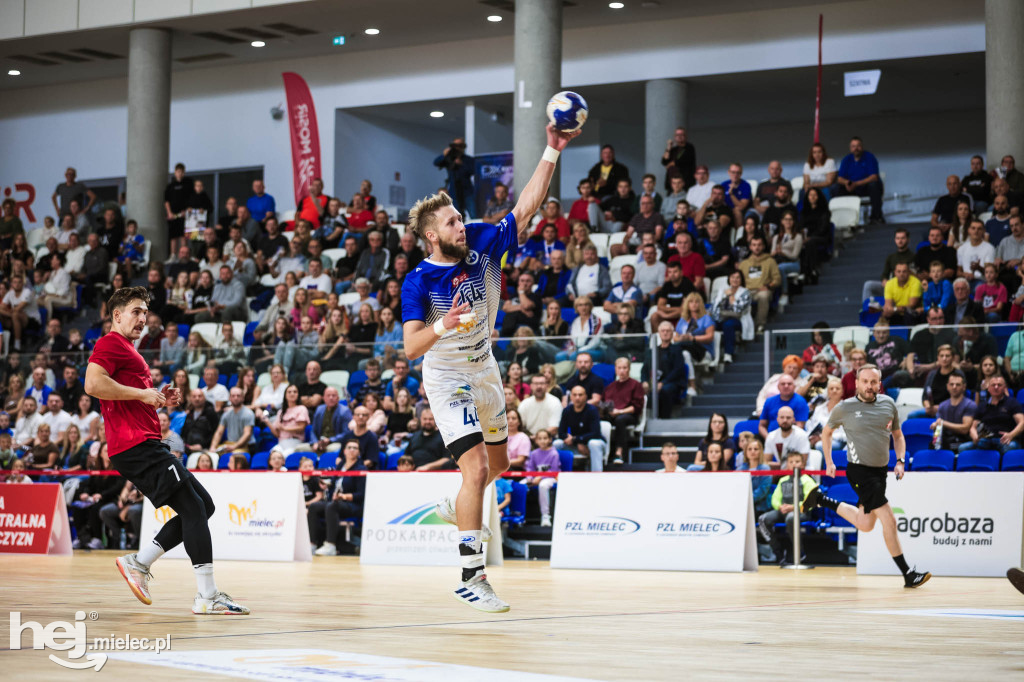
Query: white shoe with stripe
point(479, 594)
point(220, 605)
point(446, 510)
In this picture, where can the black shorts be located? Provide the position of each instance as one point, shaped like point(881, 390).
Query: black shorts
point(869, 484)
point(153, 469)
point(176, 228)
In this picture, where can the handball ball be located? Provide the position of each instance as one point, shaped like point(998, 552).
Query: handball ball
point(567, 111)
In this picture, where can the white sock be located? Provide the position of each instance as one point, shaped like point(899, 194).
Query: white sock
point(204, 580)
point(150, 553)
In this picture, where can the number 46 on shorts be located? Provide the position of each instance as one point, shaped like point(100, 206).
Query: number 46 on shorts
point(469, 416)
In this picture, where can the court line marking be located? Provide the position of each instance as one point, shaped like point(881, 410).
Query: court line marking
point(727, 609)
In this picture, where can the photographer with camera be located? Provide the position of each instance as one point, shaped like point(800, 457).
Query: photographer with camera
point(460, 167)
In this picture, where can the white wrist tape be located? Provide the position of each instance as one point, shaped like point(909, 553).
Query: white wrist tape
point(439, 327)
point(550, 154)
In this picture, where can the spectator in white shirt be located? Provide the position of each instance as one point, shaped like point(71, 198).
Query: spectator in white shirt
point(19, 309)
point(75, 254)
point(700, 192)
point(29, 420)
point(216, 393)
point(670, 458)
point(974, 253)
point(785, 440)
point(650, 273)
point(819, 171)
point(316, 279)
point(540, 410)
point(55, 417)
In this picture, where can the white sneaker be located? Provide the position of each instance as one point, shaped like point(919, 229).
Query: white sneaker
point(136, 575)
point(545, 520)
point(692, 392)
point(446, 510)
point(327, 549)
point(727, 359)
point(220, 605)
point(477, 592)
point(95, 543)
point(783, 301)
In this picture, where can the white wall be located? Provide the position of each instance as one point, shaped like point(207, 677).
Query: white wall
point(220, 116)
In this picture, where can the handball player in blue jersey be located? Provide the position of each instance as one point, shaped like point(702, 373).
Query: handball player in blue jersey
point(449, 303)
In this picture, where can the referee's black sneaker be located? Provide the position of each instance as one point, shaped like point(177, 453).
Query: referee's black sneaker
point(1016, 578)
point(915, 579)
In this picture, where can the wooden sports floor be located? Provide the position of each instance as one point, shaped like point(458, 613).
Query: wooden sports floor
point(826, 623)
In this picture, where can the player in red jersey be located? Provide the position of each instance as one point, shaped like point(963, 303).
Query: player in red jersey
point(119, 377)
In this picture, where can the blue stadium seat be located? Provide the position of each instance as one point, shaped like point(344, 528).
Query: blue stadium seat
point(499, 318)
point(892, 457)
point(1013, 460)
point(356, 381)
point(392, 464)
point(933, 460)
point(568, 314)
point(327, 460)
point(606, 371)
point(1020, 395)
point(746, 425)
point(248, 339)
point(841, 492)
point(222, 463)
point(259, 460)
point(917, 433)
point(840, 459)
point(565, 458)
point(515, 512)
point(291, 462)
point(92, 334)
point(183, 330)
point(232, 380)
point(868, 317)
point(978, 460)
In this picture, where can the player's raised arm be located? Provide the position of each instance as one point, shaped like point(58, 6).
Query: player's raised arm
point(536, 190)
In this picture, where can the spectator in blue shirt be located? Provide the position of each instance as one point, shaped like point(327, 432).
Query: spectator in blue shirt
point(858, 175)
point(940, 291)
point(787, 397)
point(261, 205)
point(737, 193)
point(624, 292)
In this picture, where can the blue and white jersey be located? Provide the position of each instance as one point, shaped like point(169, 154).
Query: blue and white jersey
point(430, 288)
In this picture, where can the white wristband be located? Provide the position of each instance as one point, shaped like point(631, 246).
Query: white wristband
point(550, 154)
point(439, 327)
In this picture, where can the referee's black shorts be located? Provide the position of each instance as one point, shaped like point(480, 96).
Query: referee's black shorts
point(153, 469)
point(869, 484)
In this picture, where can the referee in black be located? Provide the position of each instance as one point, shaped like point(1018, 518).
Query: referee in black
point(868, 418)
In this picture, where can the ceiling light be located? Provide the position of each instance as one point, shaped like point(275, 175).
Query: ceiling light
point(14, 72)
point(616, 5)
point(258, 43)
point(372, 31)
point(436, 114)
point(495, 18)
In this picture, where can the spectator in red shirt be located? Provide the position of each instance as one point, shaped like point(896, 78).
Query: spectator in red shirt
point(553, 216)
point(585, 209)
point(359, 217)
point(691, 261)
point(314, 204)
point(857, 360)
point(626, 396)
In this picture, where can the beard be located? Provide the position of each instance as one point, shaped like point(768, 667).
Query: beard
point(451, 249)
point(868, 395)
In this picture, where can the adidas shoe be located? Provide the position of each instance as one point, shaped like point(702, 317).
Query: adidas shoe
point(479, 594)
point(136, 575)
point(219, 605)
point(812, 500)
point(915, 579)
point(1016, 578)
point(446, 510)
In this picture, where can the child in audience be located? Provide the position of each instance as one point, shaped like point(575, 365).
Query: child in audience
point(238, 463)
point(503, 487)
point(131, 249)
point(754, 460)
point(991, 294)
point(939, 291)
point(742, 439)
point(312, 489)
point(544, 458)
point(276, 461)
point(18, 473)
point(670, 458)
point(406, 463)
point(204, 462)
point(782, 508)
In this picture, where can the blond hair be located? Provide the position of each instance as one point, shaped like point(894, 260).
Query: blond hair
point(421, 215)
point(686, 305)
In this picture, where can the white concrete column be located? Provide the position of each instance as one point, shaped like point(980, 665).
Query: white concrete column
point(149, 129)
point(664, 111)
point(538, 76)
point(1004, 80)
point(470, 127)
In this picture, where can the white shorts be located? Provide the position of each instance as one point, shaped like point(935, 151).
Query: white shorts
point(467, 403)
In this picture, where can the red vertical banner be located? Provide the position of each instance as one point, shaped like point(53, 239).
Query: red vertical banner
point(304, 134)
point(817, 98)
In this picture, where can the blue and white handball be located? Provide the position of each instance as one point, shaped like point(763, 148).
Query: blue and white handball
point(567, 111)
